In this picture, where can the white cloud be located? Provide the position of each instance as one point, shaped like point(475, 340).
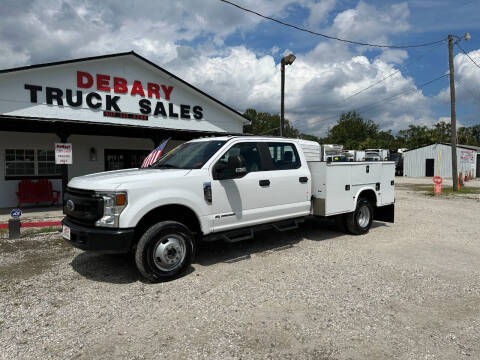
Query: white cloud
point(319, 11)
point(314, 90)
point(185, 36)
point(467, 76)
point(371, 24)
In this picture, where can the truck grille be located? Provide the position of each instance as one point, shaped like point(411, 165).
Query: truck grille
point(87, 207)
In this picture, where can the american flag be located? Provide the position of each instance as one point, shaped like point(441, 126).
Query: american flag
point(154, 155)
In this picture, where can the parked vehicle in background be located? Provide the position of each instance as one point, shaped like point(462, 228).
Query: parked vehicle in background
point(354, 155)
point(330, 151)
point(377, 154)
point(223, 188)
point(398, 159)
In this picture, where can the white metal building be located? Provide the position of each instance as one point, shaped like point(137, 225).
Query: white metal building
point(113, 109)
point(436, 159)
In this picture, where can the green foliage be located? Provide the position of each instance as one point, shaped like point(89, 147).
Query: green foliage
point(269, 125)
point(354, 132)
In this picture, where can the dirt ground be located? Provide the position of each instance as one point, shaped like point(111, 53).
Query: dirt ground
point(409, 290)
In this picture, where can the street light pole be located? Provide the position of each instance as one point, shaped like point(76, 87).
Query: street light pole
point(286, 60)
point(453, 118)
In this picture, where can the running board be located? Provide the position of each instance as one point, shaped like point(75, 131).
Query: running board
point(239, 235)
point(234, 236)
point(286, 225)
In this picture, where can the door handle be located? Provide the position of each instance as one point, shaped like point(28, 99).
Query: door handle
point(264, 182)
point(303, 179)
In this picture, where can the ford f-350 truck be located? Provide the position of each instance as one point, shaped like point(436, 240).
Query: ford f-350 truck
point(220, 188)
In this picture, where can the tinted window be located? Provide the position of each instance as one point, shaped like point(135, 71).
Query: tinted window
point(284, 156)
point(250, 153)
point(190, 155)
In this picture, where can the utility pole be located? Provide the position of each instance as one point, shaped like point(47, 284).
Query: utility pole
point(282, 105)
point(453, 119)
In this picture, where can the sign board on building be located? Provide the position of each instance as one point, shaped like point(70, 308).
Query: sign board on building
point(123, 89)
point(467, 156)
point(63, 154)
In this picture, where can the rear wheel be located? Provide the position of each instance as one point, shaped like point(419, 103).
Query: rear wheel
point(359, 221)
point(341, 223)
point(164, 251)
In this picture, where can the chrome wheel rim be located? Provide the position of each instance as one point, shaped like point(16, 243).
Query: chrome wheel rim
point(363, 216)
point(169, 252)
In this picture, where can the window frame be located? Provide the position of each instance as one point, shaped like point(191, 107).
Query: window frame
point(35, 161)
point(285, 143)
point(259, 147)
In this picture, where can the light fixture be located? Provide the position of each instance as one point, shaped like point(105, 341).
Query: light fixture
point(93, 154)
point(289, 59)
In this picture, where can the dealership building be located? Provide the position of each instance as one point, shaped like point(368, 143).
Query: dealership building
point(112, 109)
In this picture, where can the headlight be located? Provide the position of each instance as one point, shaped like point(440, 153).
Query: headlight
point(113, 205)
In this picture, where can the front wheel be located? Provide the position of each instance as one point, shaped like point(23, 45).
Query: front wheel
point(164, 251)
point(359, 221)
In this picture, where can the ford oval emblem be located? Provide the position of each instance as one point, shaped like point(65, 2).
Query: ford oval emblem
point(70, 205)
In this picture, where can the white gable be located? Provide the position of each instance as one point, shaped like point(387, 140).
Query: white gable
point(143, 96)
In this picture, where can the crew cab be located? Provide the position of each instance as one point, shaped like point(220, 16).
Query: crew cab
point(220, 188)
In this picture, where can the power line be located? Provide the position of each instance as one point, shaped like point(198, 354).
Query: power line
point(389, 75)
point(328, 36)
point(467, 54)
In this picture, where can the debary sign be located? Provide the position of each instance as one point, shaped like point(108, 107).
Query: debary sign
point(112, 104)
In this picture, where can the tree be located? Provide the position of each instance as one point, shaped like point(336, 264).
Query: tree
point(353, 132)
point(262, 123)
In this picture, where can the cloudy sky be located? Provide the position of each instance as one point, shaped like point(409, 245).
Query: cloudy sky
point(235, 56)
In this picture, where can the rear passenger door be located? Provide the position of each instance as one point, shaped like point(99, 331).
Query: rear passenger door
point(290, 182)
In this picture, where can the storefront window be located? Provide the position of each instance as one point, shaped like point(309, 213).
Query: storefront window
point(30, 163)
point(19, 162)
point(116, 159)
point(46, 163)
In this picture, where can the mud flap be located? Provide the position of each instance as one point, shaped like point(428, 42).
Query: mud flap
point(385, 213)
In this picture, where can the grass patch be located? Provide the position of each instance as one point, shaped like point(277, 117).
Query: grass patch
point(42, 230)
point(446, 190)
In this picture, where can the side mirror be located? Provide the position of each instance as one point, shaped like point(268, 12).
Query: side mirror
point(219, 171)
point(236, 166)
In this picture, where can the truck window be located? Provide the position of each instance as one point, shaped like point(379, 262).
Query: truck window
point(250, 153)
point(284, 156)
point(190, 155)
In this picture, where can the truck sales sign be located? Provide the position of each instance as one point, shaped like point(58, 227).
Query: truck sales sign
point(123, 89)
point(153, 98)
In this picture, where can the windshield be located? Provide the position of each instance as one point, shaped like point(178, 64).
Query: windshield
point(189, 155)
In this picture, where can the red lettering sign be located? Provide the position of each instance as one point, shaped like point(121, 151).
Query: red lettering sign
point(120, 85)
point(103, 82)
point(84, 80)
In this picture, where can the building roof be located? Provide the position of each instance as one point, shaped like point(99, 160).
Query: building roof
point(36, 66)
point(469, 147)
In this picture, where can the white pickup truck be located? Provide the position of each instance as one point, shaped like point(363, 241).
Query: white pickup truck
point(220, 188)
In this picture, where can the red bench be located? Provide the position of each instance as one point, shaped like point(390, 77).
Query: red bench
point(35, 192)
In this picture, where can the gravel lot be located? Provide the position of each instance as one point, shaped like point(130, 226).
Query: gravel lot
point(410, 290)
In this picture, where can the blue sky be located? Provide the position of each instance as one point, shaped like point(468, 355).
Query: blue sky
point(235, 55)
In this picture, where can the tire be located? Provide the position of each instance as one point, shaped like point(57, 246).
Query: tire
point(340, 223)
point(164, 251)
point(359, 221)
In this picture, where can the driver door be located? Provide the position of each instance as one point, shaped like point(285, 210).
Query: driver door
point(242, 201)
